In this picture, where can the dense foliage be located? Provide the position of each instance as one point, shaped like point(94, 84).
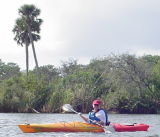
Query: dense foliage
point(125, 84)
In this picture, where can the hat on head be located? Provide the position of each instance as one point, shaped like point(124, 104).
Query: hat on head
point(96, 102)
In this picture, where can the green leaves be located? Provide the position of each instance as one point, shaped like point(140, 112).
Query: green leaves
point(125, 84)
point(29, 10)
point(28, 17)
point(8, 70)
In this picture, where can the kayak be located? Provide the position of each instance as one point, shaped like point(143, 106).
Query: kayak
point(79, 127)
point(129, 127)
point(61, 127)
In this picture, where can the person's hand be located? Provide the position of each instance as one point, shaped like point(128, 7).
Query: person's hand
point(100, 123)
point(95, 122)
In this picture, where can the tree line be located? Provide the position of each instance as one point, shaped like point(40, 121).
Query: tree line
point(125, 84)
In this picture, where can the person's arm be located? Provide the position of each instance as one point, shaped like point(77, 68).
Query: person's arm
point(83, 117)
point(100, 123)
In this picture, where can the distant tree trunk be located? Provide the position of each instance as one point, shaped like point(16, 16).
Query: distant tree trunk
point(33, 49)
point(27, 57)
point(35, 57)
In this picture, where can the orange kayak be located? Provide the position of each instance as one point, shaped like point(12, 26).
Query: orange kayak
point(61, 127)
point(80, 127)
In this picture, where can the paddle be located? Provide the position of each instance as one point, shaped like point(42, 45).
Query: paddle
point(35, 110)
point(69, 108)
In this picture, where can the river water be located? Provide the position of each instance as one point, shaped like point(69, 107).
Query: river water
point(9, 122)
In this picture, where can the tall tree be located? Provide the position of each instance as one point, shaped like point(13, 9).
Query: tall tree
point(27, 29)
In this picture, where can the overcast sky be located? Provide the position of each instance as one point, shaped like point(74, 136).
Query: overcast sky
point(83, 30)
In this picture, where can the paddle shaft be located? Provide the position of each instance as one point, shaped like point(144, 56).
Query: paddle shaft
point(35, 110)
point(74, 111)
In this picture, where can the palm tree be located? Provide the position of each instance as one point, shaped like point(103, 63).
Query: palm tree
point(27, 29)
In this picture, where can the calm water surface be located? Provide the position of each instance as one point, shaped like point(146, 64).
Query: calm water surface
point(9, 122)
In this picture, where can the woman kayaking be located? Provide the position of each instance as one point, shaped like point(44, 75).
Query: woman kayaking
point(97, 116)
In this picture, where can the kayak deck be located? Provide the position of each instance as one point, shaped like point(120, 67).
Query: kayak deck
point(79, 127)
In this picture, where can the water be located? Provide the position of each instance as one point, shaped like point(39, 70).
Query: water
point(9, 122)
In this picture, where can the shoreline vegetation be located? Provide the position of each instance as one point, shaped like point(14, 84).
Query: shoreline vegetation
point(126, 84)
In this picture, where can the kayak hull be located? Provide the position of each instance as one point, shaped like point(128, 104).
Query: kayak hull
point(79, 127)
point(60, 127)
point(130, 128)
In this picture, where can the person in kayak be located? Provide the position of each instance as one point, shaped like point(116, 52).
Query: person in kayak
point(97, 116)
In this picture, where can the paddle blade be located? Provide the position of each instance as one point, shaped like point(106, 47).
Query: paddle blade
point(108, 129)
point(67, 108)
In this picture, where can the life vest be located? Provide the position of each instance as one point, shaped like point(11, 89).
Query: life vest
point(92, 117)
point(107, 122)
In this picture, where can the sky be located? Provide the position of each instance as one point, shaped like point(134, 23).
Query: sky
point(83, 30)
